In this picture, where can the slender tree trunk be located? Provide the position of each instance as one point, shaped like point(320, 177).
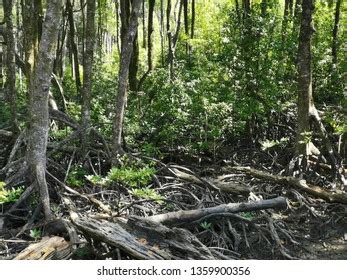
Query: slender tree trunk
point(11, 91)
point(162, 37)
point(335, 31)
point(192, 25)
point(31, 17)
point(151, 5)
point(117, 27)
point(285, 20)
point(134, 64)
point(246, 9)
point(144, 43)
point(127, 48)
point(305, 99)
point(170, 57)
point(125, 21)
point(39, 95)
point(88, 72)
point(82, 5)
point(263, 8)
point(172, 38)
point(237, 9)
point(186, 23)
point(291, 8)
point(74, 48)
point(296, 18)
point(58, 67)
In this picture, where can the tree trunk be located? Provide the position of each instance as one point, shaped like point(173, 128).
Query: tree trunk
point(169, 38)
point(125, 22)
point(126, 52)
point(186, 23)
point(134, 64)
point(173, 38)
point(58, 67)
point(263, 8)
point(285, 20)
point(237, 10)
point(117, 26)
point(88, 72)
point(296, 18)
point(162, 37)
point(150, 31)
point(31, 17)
point(76, 69)
point(39, 94)
point(192, 25)
point(335, 31)
point(11, 91)
point(246, 9)
point(305, 99)
point(144, 43)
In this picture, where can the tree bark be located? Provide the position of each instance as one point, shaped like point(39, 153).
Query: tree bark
point(76, 69)
point(39, 94)
point(186, 22)
point(285, 19)
point(126, 52)
point(11, 91)
point(31, 17)
point(335, 31)
point(332, 197)
point(246, 9)
point(125, 6)
point(134, 64)
point(88, 72)
point(144, 40)
point(305, 98)
point(237, 10)
point(263, 8)
point(151, 5)
point(189, 216)
point(172, 38)
point(162, 37)
point(192, 26)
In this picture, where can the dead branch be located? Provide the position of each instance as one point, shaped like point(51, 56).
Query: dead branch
point(143, 239)
point(188, 216)
point(296, 183)
point(90, 198)
point(50, 248)
point(5, 133)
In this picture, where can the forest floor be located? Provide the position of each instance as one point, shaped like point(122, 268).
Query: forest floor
point(308, 228)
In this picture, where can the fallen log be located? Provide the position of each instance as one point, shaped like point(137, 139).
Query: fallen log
point(5, 133)
point(188, 216)
point(49, 248)
point(300, 184)
point(215, 185)
point(143, 239)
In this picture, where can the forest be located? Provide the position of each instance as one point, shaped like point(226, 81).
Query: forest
point(173, 129)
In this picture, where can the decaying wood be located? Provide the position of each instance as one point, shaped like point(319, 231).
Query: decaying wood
point(143, 239)
point(5, 133)
point(214, 185)
point(296, 183)
point(49, 248)
point(188, 216)
point(190, 177)
point(90, 198)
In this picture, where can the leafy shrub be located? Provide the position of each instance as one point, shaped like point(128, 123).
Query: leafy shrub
point(131, 176)
point(76, 176)
point(147, 193)
point(11, 195)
